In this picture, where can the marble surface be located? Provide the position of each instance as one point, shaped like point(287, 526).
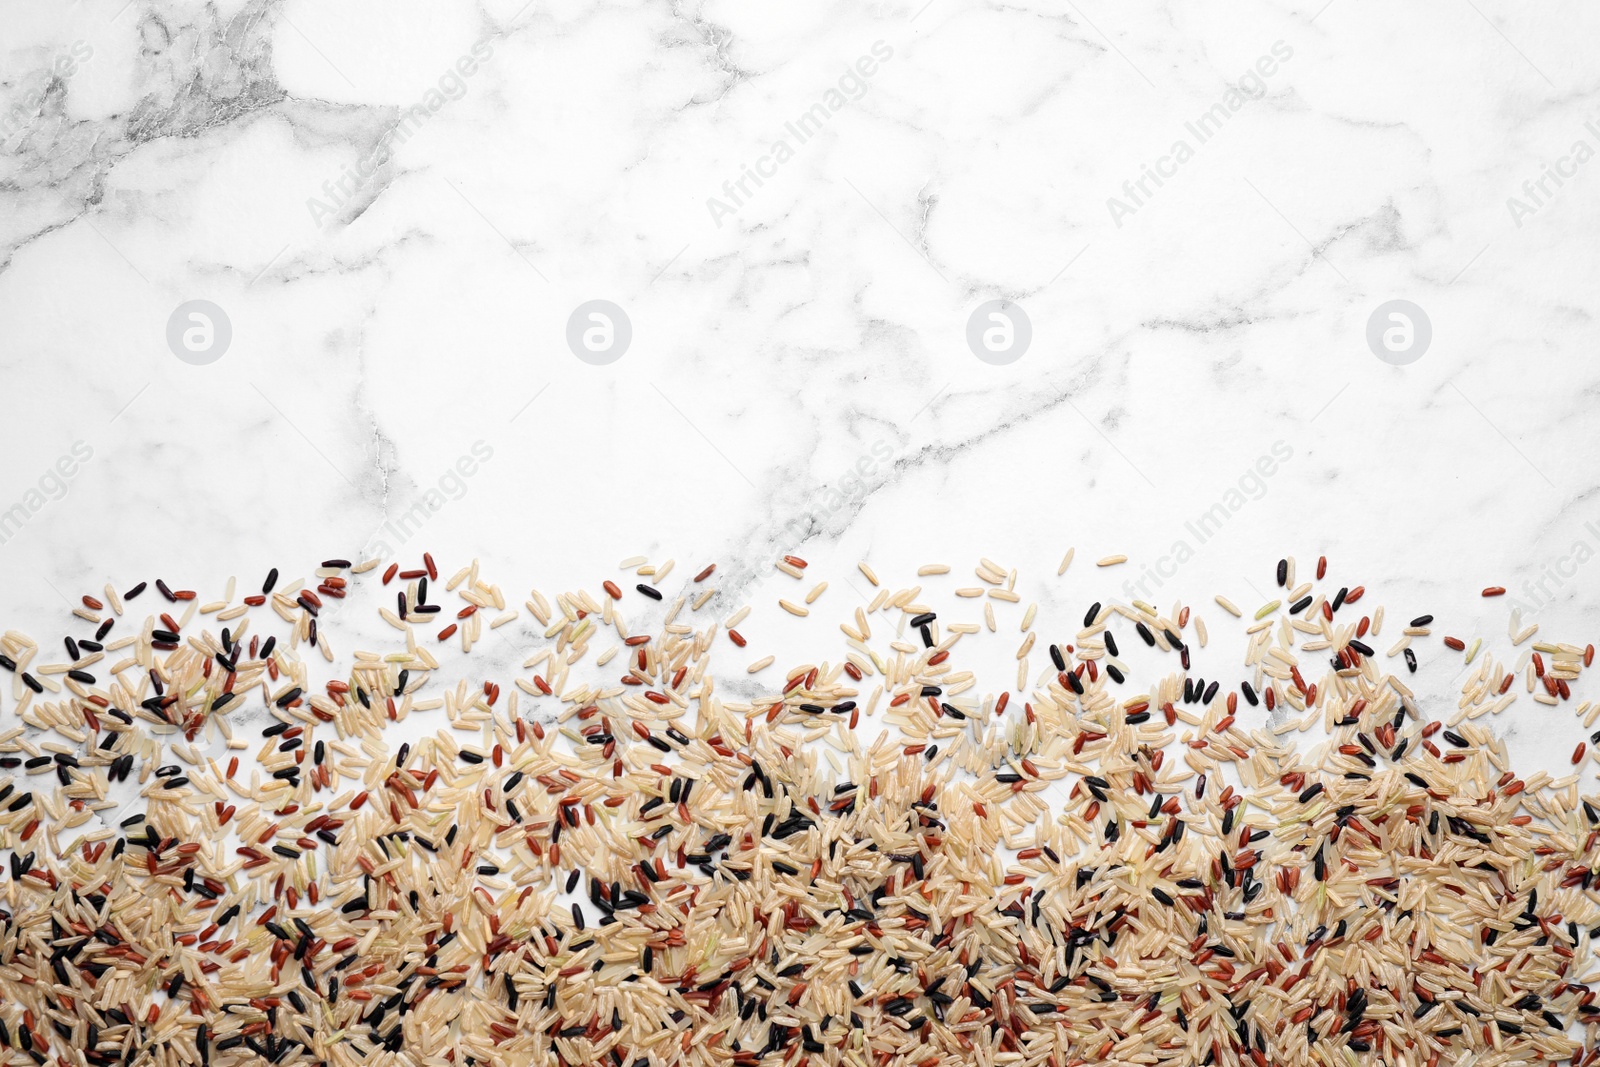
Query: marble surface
point(394, 209)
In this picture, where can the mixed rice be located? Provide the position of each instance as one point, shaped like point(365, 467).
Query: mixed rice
point(220, 852)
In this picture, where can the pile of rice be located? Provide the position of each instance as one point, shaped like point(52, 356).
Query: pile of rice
point(220, 851)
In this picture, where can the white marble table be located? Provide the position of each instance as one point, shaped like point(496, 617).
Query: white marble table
point(394, 209)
